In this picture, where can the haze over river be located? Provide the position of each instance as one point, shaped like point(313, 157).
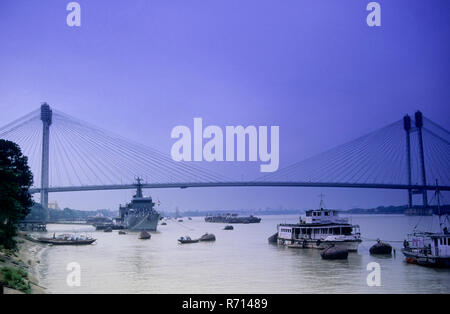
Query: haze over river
point(240, 261)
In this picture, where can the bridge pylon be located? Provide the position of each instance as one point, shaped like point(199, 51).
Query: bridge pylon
point(407, 126)
point(46, 117)
point(419, 124)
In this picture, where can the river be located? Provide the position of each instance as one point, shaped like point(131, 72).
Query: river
point(240, 261)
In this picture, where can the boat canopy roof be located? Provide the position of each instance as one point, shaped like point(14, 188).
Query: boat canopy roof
point(440, 235)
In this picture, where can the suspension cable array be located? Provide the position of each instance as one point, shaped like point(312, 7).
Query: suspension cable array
point(376, 158)
point(84, 155)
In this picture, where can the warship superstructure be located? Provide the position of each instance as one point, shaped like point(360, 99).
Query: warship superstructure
point(139, 214)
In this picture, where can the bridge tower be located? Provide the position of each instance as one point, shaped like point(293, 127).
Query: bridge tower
point(419, 123)
point(407, 126)
point(46, 117)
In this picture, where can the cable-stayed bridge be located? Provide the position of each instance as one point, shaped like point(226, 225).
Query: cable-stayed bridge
point(67, 154)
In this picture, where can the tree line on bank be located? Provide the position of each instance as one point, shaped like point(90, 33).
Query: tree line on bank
point(15, 200)
point(37, 212)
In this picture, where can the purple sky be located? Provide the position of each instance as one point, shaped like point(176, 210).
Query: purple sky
point(314, 68)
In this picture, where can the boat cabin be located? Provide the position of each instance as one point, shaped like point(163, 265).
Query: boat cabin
point(320, 216)
point(316, 232)
point(436, 244)
point(440, 245)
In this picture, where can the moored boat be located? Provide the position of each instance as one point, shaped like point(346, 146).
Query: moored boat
point(320, 229)
point(233, 219)
point(208, 237)
point(66, 239)
point(187, 239)
point(139, 214)
point(429, 248)
point(144, 235)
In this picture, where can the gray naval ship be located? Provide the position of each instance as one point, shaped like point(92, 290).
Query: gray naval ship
point(139, 214)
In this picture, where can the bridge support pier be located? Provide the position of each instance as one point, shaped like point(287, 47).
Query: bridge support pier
point(46, 117)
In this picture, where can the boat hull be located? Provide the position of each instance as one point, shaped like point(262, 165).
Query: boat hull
point(142, 223)
point(350, 245)
point(426, 260)
point(188, 241)
point(66, 242)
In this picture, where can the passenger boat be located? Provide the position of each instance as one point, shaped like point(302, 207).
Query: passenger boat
point(428, 248)
point(320, 229)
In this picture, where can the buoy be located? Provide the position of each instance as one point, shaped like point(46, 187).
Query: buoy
point(381, 248)
point(334, 253)
point(273, 238)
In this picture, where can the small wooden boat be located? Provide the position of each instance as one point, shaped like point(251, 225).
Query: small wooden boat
point(273, 238)
point(334, 252)
point(208, 237)
point(186, 240)
point(66, 239)
point(228, 227)
point(144, 235)
point(381, 248)
point(164, 224)
point(122, 232)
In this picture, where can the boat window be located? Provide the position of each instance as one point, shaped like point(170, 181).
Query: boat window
point(326, 214)
point(347, 231)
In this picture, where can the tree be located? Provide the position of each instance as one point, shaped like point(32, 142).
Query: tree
point(15, 200)
point(37, 212)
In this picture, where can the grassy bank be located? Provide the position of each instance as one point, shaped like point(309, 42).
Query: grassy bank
point(18, 268)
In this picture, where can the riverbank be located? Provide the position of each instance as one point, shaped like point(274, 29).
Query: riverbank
point(25, 260)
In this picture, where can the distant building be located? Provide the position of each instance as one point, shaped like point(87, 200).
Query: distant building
point(53, 205)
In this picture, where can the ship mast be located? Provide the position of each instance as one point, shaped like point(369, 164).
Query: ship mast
point(139, 188)
point(321, 205)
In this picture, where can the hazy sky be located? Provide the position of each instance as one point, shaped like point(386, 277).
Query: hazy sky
point(314, 68)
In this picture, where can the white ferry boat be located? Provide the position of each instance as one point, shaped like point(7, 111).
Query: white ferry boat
point(320, 229)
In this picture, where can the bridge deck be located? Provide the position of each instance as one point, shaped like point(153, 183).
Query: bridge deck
point(241, 184)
